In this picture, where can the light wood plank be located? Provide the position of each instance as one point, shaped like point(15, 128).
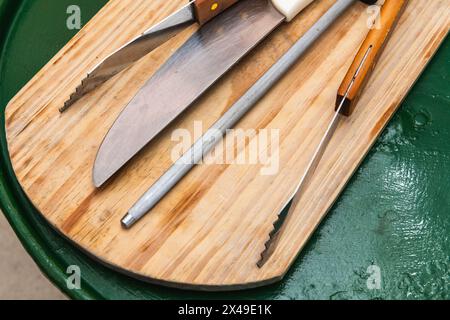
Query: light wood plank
point(209, 231)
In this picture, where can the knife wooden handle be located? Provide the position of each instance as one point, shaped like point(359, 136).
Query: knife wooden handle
point(375, 42)
point(205, 10)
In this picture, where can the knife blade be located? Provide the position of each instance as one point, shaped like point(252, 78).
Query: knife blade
point(200, 11)
point(194, 68)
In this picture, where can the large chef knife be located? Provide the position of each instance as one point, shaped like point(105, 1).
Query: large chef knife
point(194, 68)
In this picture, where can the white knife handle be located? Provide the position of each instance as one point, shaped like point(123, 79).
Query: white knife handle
point(291, 8)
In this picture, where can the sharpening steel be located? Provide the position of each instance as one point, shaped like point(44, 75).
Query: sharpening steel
point(182, 166)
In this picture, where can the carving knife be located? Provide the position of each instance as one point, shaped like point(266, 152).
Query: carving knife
point(200, 11)
point(346, 102)
point(206, 143)
point(195, 67)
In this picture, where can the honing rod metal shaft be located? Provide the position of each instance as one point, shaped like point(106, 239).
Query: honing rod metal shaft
point(201, 147)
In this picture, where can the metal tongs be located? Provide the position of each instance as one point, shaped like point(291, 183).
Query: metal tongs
point(199, 11)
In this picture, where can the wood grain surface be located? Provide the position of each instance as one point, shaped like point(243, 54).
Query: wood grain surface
point(209, 231)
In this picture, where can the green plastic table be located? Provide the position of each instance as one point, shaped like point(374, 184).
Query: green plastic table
point(394, 214)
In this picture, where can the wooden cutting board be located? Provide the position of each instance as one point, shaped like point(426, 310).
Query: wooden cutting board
point(209, 231)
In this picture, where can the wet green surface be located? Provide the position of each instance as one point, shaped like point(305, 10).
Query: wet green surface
point(394, 213)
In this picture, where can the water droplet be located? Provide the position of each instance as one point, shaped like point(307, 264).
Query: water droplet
point(421, 119)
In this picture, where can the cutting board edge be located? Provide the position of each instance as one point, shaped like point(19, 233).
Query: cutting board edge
point(205, 287)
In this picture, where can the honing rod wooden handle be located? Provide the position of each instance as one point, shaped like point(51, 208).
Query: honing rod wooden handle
point(205, 10)
point(371, 50)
